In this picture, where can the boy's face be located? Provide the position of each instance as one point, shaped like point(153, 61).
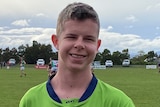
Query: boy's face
point(78, 44)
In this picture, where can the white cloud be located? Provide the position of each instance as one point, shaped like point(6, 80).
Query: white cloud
point(112, 14)
point(1, 28)
point(157, 5)
point(110, 40)
point(109, 28)
point(16, 37)
point(41, 15)
point(157, 28)
point(153, 6)
point(22, 31)
point(117, 42)
point(107, 9)
point(22, 23)
point(131, 18)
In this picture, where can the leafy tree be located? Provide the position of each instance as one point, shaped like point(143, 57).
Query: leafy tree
point(106, 54)
point(7, 54)
point(1, 54)
point(37, 51)
point(98, 57)
point(125, 54)
point(139, 59)
point(116, 58)
point(152, 57)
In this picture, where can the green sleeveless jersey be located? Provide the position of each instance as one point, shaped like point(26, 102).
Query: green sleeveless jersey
point(98, 94)
point(22, 64)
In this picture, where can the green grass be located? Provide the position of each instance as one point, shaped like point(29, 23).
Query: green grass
point(142, 85)
point(13, 86)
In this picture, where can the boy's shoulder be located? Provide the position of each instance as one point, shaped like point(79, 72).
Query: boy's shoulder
point(36, 89)
point(111, 91)
point(108, 88)
point(113, 94)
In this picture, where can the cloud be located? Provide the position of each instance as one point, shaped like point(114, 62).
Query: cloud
point(16, 37)
point(41, 15)
point(28, 20)
point(155, 6)
point(158, 28)
point(117, 42)
point(131, 18)
point(110, 40)
point(109, 28)
point(1, 28)
point(22, 23)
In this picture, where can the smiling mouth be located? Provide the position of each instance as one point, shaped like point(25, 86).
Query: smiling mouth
point(77, 56)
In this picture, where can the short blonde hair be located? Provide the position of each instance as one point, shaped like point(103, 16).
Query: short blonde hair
point(76, 11)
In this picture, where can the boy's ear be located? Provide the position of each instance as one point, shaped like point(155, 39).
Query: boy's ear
point(55, 41)
point(98, 44)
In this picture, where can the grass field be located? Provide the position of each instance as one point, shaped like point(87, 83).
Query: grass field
point(142, 85)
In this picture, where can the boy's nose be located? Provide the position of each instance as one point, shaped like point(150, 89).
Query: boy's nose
point(79, 44)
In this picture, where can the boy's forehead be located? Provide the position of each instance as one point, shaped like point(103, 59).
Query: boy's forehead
point(75, 21)
point(78, 23)
point(79, 28)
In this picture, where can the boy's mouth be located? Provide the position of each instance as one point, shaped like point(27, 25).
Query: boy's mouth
point(77, 56)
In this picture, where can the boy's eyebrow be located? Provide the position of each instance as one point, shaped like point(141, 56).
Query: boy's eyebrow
point(89, 36)
point(73, 34)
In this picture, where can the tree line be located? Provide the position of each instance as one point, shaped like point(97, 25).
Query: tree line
point(38, 50)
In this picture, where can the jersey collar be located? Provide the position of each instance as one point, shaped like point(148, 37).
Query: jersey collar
point(85, 95)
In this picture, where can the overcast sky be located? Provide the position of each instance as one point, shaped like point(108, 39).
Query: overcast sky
point(125, 24)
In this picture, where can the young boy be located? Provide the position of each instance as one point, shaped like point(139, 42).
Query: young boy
point(52, 67)
point(49, 69)
point(22, 67)
point(74, 85)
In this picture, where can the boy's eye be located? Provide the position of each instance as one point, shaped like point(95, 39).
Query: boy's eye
point(89, 39)
point(71, 36)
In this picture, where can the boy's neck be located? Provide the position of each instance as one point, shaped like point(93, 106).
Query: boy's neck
point(69, 82)
point(74, 79)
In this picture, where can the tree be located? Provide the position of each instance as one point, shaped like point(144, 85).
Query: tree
point(37, 51)
point(1, 54)
point(141, 53)
point(116, 58)
point(7, 54)
point(125, 54)
point(98, 57)
point(151, 55)
point(139, 59)
point(106, 54)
